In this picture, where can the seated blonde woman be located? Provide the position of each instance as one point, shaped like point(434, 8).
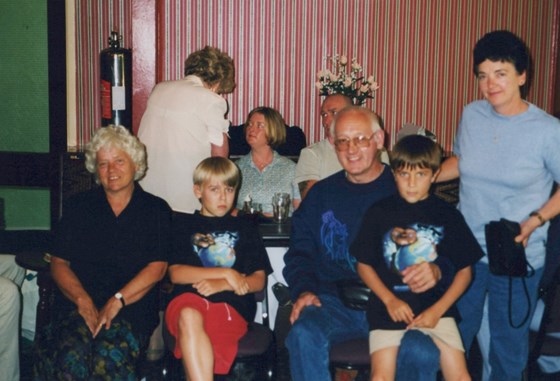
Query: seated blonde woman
point(263, 171)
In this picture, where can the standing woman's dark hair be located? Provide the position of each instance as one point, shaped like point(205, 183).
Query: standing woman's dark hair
point(504, 46)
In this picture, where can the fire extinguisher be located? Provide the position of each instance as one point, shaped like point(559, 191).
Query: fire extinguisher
point(116, 84)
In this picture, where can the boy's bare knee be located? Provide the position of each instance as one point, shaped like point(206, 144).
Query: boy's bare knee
point(189, 320)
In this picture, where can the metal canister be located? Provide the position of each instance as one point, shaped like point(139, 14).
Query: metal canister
point(116, 84)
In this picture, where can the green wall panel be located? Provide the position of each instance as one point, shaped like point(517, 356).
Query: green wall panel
point(24, 98)
point(26, 208)
point(24, 104)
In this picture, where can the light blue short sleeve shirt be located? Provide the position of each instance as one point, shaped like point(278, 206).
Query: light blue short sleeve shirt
point(508, 165)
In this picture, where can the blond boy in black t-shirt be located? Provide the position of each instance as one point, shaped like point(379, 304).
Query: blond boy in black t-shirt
point(217, 262)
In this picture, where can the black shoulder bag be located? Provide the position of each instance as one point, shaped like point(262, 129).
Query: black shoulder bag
point(507, 258)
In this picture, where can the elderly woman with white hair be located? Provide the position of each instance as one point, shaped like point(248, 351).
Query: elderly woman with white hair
point(111, 249)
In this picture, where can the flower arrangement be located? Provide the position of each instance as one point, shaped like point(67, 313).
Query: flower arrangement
point(354, 85)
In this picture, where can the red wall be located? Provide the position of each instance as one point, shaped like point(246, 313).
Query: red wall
point(418, 50)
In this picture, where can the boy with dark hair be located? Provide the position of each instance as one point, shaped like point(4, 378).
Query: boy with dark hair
point(218, 261)
point(403, 230)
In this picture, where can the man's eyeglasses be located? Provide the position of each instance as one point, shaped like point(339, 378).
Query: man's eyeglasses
point(342, 144)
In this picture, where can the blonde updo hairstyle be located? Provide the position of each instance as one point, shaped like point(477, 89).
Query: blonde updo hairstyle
point(213, 67)
point(116, 137)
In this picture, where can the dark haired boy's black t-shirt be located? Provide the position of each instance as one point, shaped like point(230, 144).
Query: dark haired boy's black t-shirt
point(395, 234)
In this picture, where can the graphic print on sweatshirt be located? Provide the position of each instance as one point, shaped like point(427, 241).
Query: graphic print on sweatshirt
point(334, 237)
point(216, 249)
point(413, 244)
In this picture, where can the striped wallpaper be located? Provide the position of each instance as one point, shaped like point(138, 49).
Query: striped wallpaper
point(418, 50)
point(95, 19)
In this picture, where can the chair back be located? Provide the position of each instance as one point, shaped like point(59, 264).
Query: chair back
point(295, 142)
point(544, 344)
point(354, 293)
point(262, 298)
point(256, 355)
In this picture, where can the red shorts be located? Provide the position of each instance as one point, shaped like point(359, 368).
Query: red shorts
point(222, 323)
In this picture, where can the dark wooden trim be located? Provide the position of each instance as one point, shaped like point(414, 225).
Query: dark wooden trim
point(43, 170)
point(56, 25)
point(25, 169)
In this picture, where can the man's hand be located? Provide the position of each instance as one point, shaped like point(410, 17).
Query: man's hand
point(421, 277)
point(304, 300)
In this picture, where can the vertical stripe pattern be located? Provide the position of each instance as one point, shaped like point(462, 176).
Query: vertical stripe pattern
point(95, 19)
point(420, 52)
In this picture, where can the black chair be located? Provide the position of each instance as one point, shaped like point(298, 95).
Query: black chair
point(256, 355)
point(295, 142)
point(541, 342)
point(353, 354)
point(30, 247)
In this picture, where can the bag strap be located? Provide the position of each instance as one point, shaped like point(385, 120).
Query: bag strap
point(530, 274)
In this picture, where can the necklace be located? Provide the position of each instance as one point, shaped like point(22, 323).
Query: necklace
point(261, 164)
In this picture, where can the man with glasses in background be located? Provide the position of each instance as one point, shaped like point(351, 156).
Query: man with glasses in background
point(319, 160)
point(322, 230)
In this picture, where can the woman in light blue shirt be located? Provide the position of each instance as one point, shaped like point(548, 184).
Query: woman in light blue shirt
point(508, 159)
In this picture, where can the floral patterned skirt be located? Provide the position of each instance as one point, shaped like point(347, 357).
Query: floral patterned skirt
point(66, 350)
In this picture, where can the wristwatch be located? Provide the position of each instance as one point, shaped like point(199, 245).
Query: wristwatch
point(120, 297)
point(539, 216)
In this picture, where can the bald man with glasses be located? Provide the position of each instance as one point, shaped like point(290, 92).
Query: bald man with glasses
point(322, 231)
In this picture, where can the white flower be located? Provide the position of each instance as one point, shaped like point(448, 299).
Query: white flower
point(350, 82)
